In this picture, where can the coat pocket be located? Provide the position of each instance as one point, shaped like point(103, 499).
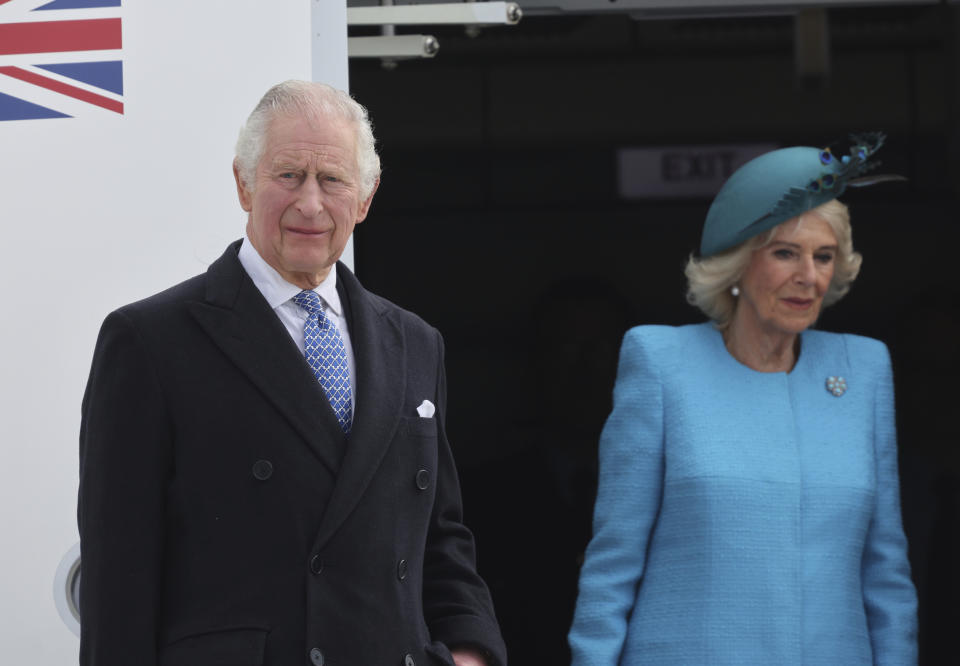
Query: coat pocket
point(415, 426)
point(241, 646)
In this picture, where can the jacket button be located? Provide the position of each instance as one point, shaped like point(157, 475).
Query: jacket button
point(401, 569)
point(316, 657)
point(316, 564)
point(262, 470)
point(408, 660)
point(423, 479)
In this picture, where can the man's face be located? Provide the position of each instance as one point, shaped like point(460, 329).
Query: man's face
point(306, 196)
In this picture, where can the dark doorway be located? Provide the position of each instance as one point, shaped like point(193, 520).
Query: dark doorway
point(499, 221)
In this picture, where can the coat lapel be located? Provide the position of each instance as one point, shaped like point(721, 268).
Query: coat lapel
point(241, 323)
point(380, 385)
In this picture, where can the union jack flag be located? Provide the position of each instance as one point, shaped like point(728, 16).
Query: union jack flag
point(60, 58)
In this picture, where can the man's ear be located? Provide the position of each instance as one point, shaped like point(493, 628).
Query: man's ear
point(245, 195)
point(365, 206)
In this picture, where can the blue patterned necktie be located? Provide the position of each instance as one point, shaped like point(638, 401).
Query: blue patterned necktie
point(323, 348)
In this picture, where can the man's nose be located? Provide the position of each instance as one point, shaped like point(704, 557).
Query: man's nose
point(310, 198)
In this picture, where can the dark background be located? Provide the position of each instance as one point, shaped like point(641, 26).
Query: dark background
point(499, 221)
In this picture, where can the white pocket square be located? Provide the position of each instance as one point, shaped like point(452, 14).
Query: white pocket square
point(426, 409)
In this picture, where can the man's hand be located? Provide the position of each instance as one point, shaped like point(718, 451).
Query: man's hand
point(468, 657)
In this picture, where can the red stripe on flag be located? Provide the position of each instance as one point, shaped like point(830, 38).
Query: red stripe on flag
point(60, 36)
point(63, 88)
point(2, 2)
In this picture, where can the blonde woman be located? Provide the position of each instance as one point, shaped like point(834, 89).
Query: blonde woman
point(747, 510)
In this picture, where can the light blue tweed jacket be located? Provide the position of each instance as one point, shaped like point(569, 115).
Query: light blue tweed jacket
point(743, 517)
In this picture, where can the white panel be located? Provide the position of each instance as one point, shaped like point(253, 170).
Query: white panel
point(329, 58)
point(99, 210)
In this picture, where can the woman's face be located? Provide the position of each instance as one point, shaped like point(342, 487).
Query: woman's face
point(782, 288)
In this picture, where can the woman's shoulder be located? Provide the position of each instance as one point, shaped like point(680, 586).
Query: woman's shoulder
point(860, 355)
point(659, 336)
point(661, 345)
point(857, 347)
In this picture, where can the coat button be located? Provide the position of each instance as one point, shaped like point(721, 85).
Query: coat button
point(423, 479)
point(316, 564)
point(408, 660)
point(262, 470)
point(316, 657)
point(401, 569)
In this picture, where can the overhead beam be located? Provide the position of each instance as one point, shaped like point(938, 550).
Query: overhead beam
point(393, 46)
point(462, 13)
point(698, 8)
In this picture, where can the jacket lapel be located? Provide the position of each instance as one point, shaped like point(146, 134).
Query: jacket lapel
point(380, 385)
point(241, 323)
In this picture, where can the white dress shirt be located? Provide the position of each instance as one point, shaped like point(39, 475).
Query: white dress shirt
point(279, 294)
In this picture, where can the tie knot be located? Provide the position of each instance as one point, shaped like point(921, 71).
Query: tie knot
point(309, 301)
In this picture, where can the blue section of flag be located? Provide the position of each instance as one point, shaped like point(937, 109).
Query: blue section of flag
point(107, 75)
point(78, 4)
point(12, 108)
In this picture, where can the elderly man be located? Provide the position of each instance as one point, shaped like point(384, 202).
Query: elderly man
point(264, 473)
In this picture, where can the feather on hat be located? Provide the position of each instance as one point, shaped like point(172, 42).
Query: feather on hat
point(783, 184)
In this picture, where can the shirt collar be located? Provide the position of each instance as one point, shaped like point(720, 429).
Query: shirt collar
point(278, 291)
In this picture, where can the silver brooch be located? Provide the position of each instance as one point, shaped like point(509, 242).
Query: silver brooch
point(837, 385)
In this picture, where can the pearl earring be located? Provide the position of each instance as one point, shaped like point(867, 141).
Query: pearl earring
point(734, 291)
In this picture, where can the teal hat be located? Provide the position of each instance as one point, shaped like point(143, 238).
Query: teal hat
point(783, 184)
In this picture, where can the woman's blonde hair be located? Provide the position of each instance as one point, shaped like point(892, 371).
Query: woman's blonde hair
point(709, 279)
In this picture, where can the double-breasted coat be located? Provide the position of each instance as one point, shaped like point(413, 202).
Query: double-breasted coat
point(226, 520)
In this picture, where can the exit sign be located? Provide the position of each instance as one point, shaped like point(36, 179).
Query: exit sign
point(681, 171)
